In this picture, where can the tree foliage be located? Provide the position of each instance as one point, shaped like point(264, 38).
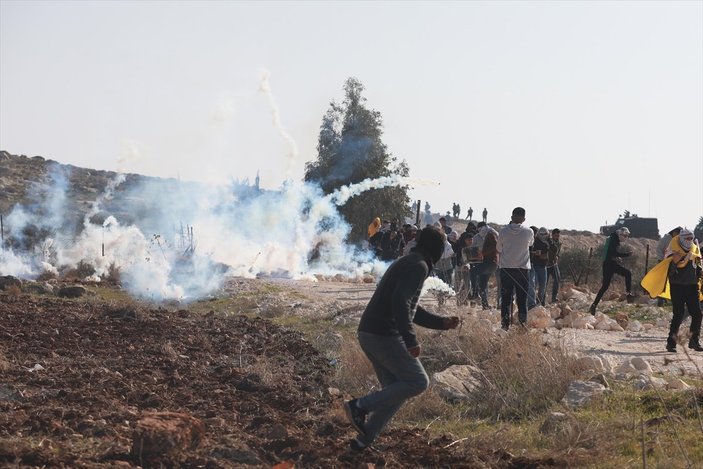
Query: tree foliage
point(350, 149)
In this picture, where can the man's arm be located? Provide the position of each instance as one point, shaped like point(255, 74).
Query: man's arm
point(404, 297)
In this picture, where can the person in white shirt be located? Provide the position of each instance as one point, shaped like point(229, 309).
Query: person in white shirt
point(513, 245)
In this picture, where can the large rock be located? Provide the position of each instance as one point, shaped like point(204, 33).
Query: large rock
point(456, 382)
point(650, 382)
point(633, 367)
point(539, 318)
point(595, 363)
point(166, 434)
point(582, 392)
point(7, 281)
point(73, 291)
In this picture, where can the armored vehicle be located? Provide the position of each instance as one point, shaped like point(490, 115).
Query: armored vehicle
point(639, 227)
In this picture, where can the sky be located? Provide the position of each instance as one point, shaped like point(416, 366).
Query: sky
point(576, 111)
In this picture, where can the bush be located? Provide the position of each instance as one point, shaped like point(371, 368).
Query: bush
point(523, 379)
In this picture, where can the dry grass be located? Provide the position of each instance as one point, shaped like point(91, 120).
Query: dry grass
point(355, 375)
point(524, 378)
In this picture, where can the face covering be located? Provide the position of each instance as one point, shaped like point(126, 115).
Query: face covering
point(686, 243)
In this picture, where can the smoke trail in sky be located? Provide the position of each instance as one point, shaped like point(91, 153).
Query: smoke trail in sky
point(265, 88)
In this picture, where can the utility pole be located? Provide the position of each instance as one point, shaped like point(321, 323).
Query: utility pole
point(2, 233)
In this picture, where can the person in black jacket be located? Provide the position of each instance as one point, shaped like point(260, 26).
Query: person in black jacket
point(387, 338)
point(612, 265)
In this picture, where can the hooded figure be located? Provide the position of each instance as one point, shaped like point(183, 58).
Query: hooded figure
point(387, 337)
point(373, 227)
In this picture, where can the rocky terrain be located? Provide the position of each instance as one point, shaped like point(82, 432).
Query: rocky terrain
point(90, 377)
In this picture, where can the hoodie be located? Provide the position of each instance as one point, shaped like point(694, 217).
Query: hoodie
point(393, 307)
point(514, 241)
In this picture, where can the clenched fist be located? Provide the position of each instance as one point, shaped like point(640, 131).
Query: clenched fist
point(451, 322)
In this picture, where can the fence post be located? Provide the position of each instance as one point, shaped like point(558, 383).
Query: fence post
point(417, 215)
point(586, 268)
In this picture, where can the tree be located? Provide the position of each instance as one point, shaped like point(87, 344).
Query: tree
point(350, 150)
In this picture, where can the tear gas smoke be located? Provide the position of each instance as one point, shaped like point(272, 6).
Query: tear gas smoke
point(437, 285)
point(294, 232)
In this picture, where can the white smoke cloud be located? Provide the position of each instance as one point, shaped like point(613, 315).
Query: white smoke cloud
point(294, 232)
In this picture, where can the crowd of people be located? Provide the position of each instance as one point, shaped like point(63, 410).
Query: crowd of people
point(470, 259)
point(523, 259)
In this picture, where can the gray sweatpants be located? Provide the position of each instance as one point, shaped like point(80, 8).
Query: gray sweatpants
point(400, 374)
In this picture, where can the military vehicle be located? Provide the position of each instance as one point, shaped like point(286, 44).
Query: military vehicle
point(639, 227)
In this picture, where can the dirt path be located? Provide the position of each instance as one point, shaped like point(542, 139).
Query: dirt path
point(616, 346)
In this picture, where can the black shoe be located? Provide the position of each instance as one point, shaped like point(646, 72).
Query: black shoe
point(356, 416)
point(695, 345)
point(630, 297)
point(671, 348)
point(357, 446)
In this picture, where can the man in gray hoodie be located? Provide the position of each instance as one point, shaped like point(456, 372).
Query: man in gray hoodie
point(514, 241)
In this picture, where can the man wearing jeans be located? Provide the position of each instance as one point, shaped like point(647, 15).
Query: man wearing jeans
point(387, 338)
point(513, 246)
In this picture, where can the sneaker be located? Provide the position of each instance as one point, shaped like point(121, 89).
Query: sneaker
point(695, 345)
point(630, 297)
point(356, 415)
point(357, 446)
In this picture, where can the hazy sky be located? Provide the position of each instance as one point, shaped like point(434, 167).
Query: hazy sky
point(574, 110)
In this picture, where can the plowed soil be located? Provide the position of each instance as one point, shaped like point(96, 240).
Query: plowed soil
point(91, 384)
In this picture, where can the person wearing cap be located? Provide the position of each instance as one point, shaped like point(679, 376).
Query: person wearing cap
point(387, 337)
point(684, 276)
point(513, 246)
point(612, 265)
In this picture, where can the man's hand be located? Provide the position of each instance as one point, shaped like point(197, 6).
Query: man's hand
point(414, 351)
point(451, 322)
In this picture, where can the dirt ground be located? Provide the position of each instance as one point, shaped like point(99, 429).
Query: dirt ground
point(86, 383)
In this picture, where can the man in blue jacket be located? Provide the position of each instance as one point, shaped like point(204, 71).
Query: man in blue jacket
point(387, 338)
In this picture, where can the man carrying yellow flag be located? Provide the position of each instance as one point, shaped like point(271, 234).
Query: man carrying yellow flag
point(684, 273)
